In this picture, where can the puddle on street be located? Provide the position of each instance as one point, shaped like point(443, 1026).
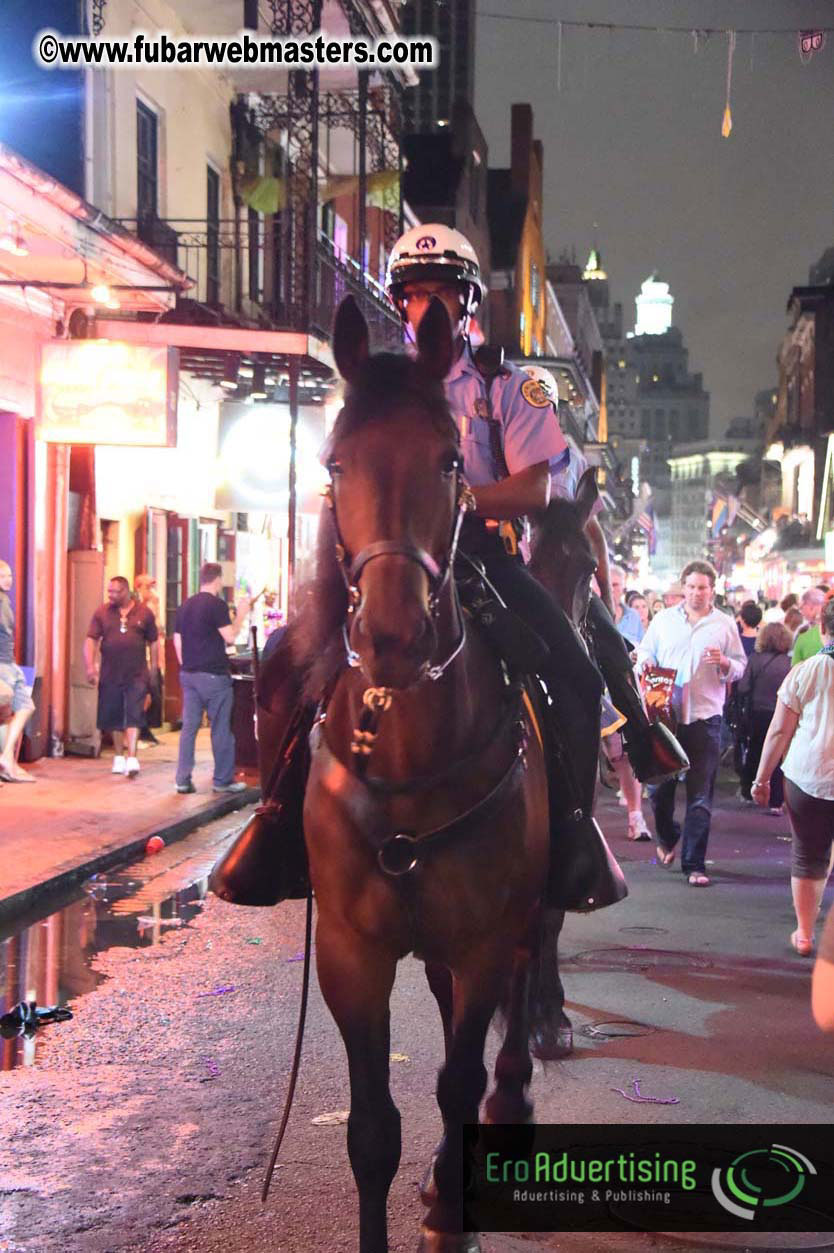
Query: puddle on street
point(50, 960)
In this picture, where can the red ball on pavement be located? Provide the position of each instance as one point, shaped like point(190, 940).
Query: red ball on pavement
point(154, 845)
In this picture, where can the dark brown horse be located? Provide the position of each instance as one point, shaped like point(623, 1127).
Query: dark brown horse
point(426, 810)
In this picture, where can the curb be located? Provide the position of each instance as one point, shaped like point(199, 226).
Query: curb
point(29, 898)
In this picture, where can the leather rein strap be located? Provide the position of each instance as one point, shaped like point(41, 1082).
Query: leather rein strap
point(299, 1040)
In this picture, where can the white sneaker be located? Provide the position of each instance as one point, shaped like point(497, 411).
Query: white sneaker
point(132, 767)
point(118, 765)
point(637, 829)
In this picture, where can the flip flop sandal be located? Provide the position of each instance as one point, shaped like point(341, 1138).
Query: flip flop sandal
point(698, 880)
point(803, 946)
point(665, 856)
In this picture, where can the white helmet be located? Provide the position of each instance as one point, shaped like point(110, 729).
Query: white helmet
point(434, 251)
point(545, 380)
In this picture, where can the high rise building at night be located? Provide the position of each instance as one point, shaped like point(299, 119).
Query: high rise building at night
point(654, 402)
point(429, 105)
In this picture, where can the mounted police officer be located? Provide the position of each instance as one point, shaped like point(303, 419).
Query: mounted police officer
point(512, 447)
point(510, 444)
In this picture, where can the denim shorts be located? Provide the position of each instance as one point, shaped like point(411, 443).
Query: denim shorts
point(121, 705)
point(13, 676)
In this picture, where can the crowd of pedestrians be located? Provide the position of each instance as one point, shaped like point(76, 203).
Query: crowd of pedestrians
point(753, 681)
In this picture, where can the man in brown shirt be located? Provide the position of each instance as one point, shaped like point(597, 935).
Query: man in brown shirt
point(125, 630)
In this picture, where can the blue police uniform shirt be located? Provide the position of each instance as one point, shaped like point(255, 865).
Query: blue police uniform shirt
point(529, 433)
point(565, 476)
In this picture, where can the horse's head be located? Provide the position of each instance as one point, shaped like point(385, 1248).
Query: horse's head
point(394, 459)
point(562, 558)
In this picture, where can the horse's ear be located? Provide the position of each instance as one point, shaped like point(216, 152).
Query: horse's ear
point(587, 494)
point(435, 341)
point(350, 339)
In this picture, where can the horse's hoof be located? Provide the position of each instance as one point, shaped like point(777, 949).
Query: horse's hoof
point(448, 1241)
point(497, 1113)
point(550, 1045)
point(428, 1187)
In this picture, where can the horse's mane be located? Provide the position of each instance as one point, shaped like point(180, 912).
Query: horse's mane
point(386, 386)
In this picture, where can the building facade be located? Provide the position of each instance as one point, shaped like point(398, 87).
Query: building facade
point(799, 432)
point(654, 403)
point(517, 304)
point(206, 226)
point(430, 104)
point(702, 508)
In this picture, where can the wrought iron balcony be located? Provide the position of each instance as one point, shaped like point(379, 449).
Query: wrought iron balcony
point(237, 269)
point(339, 276)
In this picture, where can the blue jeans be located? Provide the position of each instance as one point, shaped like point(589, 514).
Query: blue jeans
point(701, 741)
point(212, 693)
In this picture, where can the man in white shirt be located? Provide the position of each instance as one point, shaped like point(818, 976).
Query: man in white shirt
point(703, 646)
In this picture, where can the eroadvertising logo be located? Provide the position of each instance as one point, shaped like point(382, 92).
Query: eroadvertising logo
point(714, 1177)
point(747, 1192)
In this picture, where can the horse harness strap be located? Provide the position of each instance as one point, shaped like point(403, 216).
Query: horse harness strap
point(385, 548)
point(399, 853)
point(423, 783)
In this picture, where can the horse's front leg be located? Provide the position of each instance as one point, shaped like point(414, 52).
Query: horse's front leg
point(440, 982)
point(509, 1102)
point(460, 1087)
point(356, 980)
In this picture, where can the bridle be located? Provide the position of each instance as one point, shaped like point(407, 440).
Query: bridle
point(438, 573)
point(399, 853)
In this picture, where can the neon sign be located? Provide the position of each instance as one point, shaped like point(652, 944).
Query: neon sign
point(98, 391)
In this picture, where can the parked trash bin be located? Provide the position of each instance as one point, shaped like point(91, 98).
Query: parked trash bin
point(243, 722)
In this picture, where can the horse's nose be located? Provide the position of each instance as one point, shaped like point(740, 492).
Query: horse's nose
point(406, 637)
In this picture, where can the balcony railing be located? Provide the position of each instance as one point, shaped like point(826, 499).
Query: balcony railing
point(237, 266)
point(339, 276)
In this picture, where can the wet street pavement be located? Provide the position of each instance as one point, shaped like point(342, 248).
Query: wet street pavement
point(146, 1121)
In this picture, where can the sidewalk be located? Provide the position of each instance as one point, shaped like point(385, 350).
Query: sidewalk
point(79, 819)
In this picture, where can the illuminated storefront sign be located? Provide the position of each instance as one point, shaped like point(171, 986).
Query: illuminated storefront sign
point(95, 391)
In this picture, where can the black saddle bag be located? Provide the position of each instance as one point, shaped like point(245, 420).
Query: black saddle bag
point(268, 861)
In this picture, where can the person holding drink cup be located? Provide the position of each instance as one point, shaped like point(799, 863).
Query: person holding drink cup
point(702, 646)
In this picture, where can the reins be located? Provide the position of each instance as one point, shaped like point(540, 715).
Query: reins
point(299, 1040)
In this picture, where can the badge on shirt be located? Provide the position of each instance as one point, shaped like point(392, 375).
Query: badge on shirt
point(535, 395)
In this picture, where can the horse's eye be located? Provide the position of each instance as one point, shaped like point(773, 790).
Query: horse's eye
point(450, 463)
point(334, 467)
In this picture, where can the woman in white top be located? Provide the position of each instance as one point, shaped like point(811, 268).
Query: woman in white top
point(802, 730)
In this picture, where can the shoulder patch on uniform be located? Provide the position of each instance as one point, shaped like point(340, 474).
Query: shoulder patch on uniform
point(534, 394)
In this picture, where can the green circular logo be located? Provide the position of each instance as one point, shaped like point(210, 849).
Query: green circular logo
point(761, 1178)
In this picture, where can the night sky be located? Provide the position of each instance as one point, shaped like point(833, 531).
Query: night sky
point(633, 143)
